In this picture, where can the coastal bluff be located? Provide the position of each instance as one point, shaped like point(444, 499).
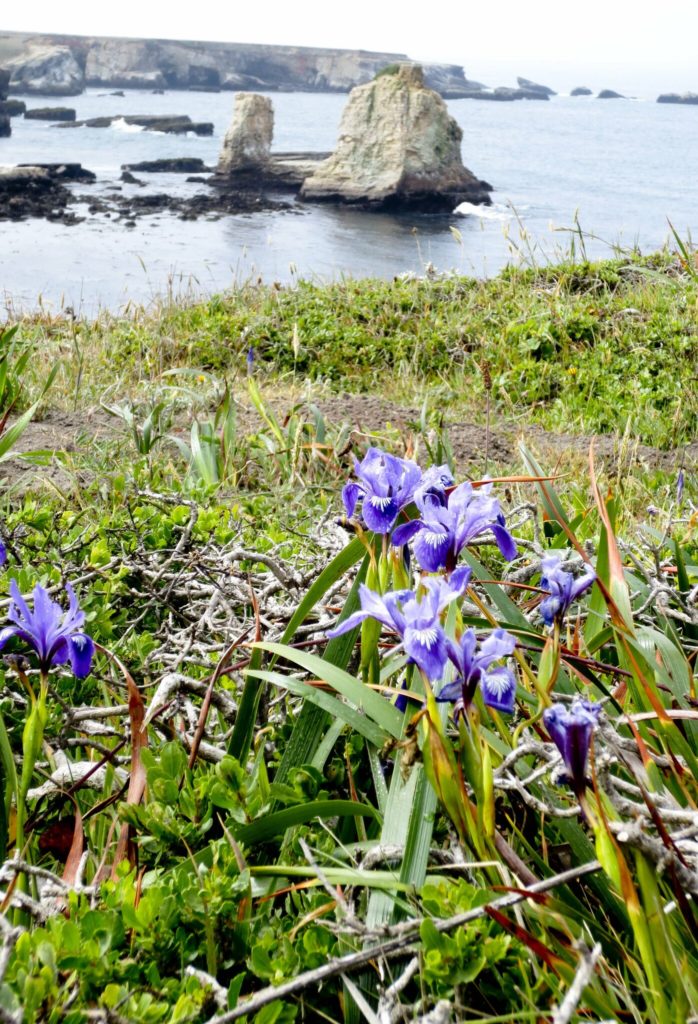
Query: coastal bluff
point(63, 65)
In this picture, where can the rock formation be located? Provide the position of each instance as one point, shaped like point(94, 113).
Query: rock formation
point(609, 94)
point(169, 64)
point(529, 86)
point(5, 126)
point(247, 142)
point(398, 148)
point(48, 70)
point(174, 124)
point(581, 90)
point(504, 94)
point(31, 192)
point(50, 114)
point(689, 98)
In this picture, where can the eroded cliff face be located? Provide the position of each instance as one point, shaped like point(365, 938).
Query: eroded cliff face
point(69, 63)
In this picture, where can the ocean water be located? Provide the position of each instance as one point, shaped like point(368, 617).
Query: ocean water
point(618, 170)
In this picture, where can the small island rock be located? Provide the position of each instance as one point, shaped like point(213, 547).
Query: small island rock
point(609, 94)
point(581, 90)
point(689, 98)
point(529, 86)
point(398, 148)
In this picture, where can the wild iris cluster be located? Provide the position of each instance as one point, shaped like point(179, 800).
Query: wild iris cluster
point(450, 519)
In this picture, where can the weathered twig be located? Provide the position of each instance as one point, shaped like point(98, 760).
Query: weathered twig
point(584, 974)
point(400, 944)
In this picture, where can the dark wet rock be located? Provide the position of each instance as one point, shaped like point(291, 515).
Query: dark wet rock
point(129, 179)
point(117, 92)
point(610, 94)
point(170, 165)
point(31, 192)
point(50, 114)
point(529, 86)
point(194, 179)
point(66, 172)
point(5, 106)
point(175, 124)
point(12, 107)
point(581, 90)
point(689, 98)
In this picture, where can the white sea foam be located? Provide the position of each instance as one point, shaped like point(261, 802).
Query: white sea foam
point(120, 125)
point(495, 212)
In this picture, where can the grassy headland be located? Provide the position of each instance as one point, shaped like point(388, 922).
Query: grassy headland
point(198, 818)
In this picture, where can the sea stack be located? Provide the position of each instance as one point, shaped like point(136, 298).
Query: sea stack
point(247, 142)
point(398, 149)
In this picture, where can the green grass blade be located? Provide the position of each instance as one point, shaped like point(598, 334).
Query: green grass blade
point(243, 730)
point(373, 704)
point(337, 708)
point(275, 824)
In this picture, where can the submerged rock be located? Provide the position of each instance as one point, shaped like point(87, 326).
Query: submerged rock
point(50, 114)
point(247, 142)
point(398, 148)
point(529, 86)
point(689, 98)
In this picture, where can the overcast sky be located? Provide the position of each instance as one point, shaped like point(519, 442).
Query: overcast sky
point(601, 43)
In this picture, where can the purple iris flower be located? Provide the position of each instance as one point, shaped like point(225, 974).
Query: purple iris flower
point(444, 530)
point(432, 487)
point(562, 586)
point(3, 553)
point(250, 359)
point(56, 635)
point(417, 622)
point(498, 685)
point(385, 485)
point(571, 730)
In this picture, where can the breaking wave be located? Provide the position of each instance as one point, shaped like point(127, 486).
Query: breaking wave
point(495, 212)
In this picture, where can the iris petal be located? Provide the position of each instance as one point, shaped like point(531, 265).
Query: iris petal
point(499, 690)
point(81, 650)
point(379, 513)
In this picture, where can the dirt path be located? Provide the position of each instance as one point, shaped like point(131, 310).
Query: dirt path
point(62, 434)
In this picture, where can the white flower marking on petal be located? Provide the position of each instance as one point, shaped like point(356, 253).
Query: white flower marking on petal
point(427, 637)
